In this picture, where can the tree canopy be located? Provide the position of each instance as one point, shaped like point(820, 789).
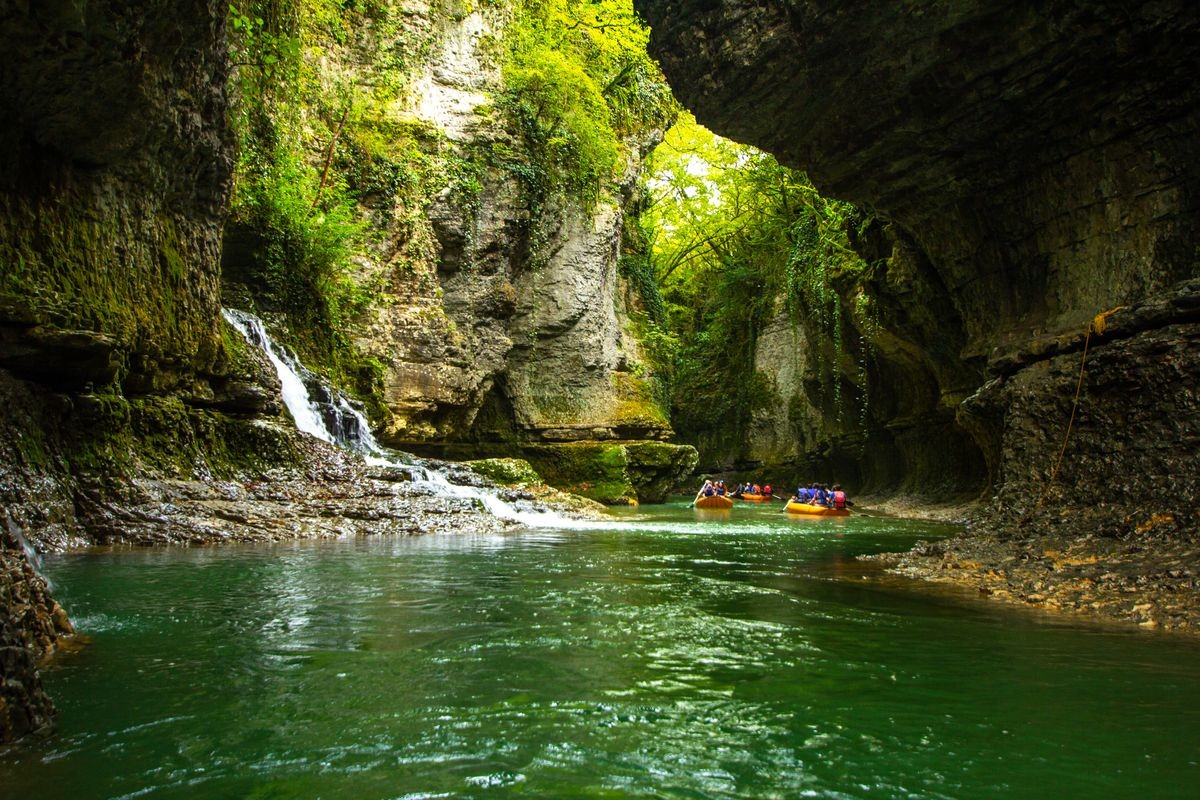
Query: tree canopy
point(734, 239)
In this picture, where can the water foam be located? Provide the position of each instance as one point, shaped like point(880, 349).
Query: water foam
point(331, 418)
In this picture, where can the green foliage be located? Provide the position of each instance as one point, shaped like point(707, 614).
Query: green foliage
point(564, 117)
point(315, 149)
point(578, 82)
point(639, 271)
point(733, 235)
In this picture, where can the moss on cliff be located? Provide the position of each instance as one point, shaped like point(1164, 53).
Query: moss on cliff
point(113, 177)
point(76, 266)
point(591, 469)
point(507, 471)
point(614, 473)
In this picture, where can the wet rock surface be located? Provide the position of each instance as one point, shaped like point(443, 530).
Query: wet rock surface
point(1148, 575)
point(115, 168)
point(30, 624)
point(330, 494)
point(1098, 510)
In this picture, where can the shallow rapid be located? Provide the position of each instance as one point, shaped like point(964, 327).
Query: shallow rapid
point(670, 653)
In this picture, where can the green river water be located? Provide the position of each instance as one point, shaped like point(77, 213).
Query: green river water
point(668, 655)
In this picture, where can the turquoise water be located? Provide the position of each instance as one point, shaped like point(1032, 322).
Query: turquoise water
point(669, 655)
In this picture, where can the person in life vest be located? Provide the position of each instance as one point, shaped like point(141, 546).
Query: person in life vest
point(839, 496)
point(707, 490)
point(721, 488)
point(820, 497)
point(801, 495)
point(767, 490)
point(756, 489)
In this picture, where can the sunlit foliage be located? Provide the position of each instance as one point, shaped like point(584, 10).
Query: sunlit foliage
point(735, 238)
point(580, 86)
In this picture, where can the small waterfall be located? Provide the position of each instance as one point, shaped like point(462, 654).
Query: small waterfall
point(31, 554)
point(325, 413)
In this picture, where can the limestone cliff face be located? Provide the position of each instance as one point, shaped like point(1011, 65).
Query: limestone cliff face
point(1035, 166)
point(488, 304)
point(116, 168)
point(784, 431)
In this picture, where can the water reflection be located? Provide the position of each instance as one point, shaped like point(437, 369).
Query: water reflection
point(742, 656)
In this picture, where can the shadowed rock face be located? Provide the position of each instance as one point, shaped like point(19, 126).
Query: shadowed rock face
point(115, 163)
point(115, 166)
point(1038, 164)
point(1043, 156)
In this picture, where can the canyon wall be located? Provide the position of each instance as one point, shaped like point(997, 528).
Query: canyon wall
point(525, 304)
point(114, 181)
point(493, 310)
point(1032, 167)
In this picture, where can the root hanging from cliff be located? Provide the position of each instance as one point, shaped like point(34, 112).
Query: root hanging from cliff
point(1097, 325)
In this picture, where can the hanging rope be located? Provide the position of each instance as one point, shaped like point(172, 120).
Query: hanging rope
point(1097, 325)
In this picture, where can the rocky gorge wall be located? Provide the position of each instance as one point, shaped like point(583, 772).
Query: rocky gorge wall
point(113, 185)
point(865, 389)
point(493, 309)
point(1035, 167)
point(530, 307)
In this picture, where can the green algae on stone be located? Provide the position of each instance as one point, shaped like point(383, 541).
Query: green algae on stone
point(506, 471)
point(614, 473)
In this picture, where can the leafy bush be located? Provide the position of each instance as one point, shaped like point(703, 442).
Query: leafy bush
point(735, 237)
point(578, 81)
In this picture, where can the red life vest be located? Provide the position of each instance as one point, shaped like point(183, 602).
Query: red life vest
point(767, 489)
point(839, 499)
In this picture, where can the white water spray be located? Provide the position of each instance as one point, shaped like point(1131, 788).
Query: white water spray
point(331, 418)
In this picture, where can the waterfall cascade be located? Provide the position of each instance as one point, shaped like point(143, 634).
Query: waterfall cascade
point(31, 553)
point(325, 413)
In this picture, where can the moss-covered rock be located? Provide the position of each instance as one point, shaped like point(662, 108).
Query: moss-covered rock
point(614, 473)
point(114, 177)
point(506, 471)
point(655, 468)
